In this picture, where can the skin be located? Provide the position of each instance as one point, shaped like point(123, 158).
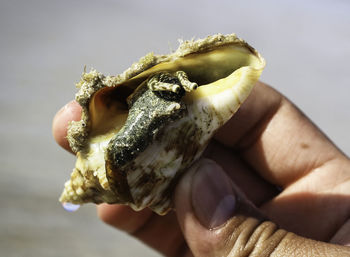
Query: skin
point(280, 166)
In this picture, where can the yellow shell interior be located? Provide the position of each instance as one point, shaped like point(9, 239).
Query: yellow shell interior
point(213, 70)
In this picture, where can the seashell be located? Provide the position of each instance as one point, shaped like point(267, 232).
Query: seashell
point(142, 129)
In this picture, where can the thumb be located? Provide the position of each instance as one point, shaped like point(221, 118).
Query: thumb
point(218, 220)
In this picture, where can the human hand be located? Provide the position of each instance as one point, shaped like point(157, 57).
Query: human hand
point(271, 163)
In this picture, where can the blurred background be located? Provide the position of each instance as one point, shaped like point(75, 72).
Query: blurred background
point(44, 46)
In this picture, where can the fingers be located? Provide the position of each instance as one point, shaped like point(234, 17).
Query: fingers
point(217, 220)
point(205, 201)
point(275, 138)
point(123, 217)
point(257, 190)
point(277, 141)
point(162, 233)
point(342, 236)
point(315, 206)
point(68, 113)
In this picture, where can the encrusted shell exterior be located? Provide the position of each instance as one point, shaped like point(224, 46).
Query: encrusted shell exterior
point(148, 180)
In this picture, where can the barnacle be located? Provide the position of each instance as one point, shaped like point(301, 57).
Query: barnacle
point(142, 129)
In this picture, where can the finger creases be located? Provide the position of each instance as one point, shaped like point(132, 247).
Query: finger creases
point(251, 237)
point(294, 245)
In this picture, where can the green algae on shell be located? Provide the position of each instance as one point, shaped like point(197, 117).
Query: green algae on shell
point(225, 69)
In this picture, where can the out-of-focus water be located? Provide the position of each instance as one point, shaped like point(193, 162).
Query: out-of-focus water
point(44, 46)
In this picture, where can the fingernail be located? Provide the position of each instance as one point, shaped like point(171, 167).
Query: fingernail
point(213, 198)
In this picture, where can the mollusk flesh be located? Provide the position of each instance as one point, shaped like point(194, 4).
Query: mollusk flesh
point(142, 129)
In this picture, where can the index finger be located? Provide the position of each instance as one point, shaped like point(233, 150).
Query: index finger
point(275, 138)
point(68, 113)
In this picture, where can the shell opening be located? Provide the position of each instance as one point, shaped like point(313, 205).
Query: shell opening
point(203, 68)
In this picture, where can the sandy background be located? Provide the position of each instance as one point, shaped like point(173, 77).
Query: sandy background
point(44, 46)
